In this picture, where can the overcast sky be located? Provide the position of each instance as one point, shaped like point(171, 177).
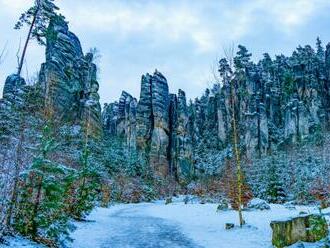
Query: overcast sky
point(182, 39)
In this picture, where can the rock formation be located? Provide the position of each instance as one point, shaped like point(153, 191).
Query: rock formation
point(181, 147)
point(68, 78)
point(119, 119)
point(308, 228)
point(157, 126)
point(276, 103)
point(14, 87)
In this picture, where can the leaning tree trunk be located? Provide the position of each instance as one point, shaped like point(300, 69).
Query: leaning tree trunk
point(21, 62)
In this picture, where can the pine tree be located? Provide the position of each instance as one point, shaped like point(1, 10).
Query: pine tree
point(88, 178)
point(41, 214)
point(275, 191)
point(320, 49)
point(242, 58)
point(37, 18)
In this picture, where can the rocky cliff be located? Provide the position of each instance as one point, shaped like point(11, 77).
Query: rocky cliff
point(276, 103)
point(156, 125)
point(68, 78)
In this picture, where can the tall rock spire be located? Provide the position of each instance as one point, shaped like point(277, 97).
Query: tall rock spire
point(68, 78)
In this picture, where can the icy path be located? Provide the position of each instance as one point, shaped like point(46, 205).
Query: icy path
point(149, 225)
point(126, 226)
point(156, 225)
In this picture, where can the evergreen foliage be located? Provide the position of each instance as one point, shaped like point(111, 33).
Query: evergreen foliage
point(41, 212)
point(275, 192)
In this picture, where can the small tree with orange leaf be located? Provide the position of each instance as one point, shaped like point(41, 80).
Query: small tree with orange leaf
point(321, 192)
point(229, 186)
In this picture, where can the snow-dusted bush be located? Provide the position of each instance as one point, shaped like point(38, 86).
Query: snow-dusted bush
point(258, 204)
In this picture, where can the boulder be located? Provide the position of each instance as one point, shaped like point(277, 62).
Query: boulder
point(229, 226)
point(13, 87)
point(308, 228)
point(223, 205)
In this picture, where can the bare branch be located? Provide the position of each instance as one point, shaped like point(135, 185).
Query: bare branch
point(26, 69)
point(214, 71)
point(3, 53)
point(229, 54)
point(18, 58)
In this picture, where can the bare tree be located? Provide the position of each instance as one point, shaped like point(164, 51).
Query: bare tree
point(3, 53)
point(226, 69)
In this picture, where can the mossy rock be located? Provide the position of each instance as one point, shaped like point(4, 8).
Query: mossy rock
point(308, 228)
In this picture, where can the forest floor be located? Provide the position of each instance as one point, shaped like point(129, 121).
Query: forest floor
point(178, 225)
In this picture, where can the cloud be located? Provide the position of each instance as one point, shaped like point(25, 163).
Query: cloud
point(202, 24)
point(15, 6)
point(163, 22)
point(286, 15)
point(181, 38)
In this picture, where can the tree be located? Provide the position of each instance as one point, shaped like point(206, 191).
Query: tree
point(242, 58)
point(241, 62)
point(275, 190)
point(87, 178)
point(320, 49)
point(41, 214)
point(225, 70)
point(37, 18)
point(321, 192)
point(229, 185)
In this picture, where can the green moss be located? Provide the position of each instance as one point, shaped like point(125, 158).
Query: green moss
point(318, 228)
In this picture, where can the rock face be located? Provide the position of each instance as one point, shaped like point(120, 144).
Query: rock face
point(309, 228)
point(181, 149)
point(275, 103)
point(119, 119)
point(156, 125)
point(159, 123)
point(68, 78)
point(14, 87)
point(152, 118)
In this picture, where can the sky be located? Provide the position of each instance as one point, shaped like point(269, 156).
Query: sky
point(182, 39)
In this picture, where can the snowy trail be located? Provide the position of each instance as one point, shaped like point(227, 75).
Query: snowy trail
point(129, 227)
point(176, 225)
point(148, 225)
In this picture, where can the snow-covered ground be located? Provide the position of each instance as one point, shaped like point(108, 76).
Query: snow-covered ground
point(177, 225)
point(19, 242)
point(180, 225)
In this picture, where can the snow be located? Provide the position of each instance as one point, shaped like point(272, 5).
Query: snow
point(259, 204)
point(19, 242)
point(179, 225)
point(206, 226)
point(200, 223)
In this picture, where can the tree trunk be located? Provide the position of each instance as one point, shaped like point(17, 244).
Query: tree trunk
point(20, 66)
point(18, 164)
point(238, 161)
point(35, 209)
